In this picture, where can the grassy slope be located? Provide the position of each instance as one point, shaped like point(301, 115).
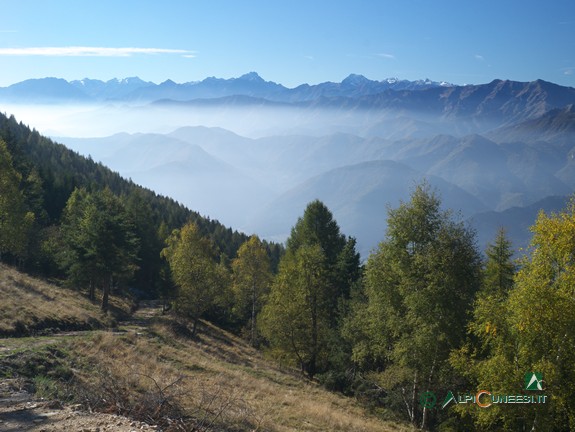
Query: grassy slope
point(31, 306)
point(213, 382)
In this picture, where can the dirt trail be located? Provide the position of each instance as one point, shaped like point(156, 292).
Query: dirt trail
point(21, 411)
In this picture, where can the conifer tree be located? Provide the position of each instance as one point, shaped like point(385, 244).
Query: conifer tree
point(252, 278)
point(199, 279)
point(15, 221)
point(296, 318)
point(528, 327)
point(101, 242)
point(314, 277)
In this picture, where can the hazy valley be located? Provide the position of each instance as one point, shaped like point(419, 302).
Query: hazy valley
point(252, 153)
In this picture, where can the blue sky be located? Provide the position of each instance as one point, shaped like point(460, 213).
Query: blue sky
point(289, 42)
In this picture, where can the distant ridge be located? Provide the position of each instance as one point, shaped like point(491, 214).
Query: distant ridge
point(251, 84)
point(557, 125)
point(471, 108)
point(46, 90)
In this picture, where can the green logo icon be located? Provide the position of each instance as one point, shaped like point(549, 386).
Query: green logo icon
point(448, 399)
point(533, 381)
point(427, 399)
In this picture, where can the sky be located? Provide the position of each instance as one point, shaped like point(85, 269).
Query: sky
point(288, 42)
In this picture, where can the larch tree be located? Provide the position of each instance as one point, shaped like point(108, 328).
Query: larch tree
point(199, 279)
point(15, 221)
point(529, 327)
point(541, 311)
point(252, 278)
point(296, 317)
point(489, 313)
point(315, 276)
point(487, 359)
point(318, 227)
point(102, 246)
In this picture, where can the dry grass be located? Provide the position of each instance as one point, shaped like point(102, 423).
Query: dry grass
point(30, 306)
point(153, 372)
point(221, 382)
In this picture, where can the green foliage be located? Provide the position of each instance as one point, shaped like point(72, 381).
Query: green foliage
point(200, 280)
point(527, 326)
point(542, 315)
point(318, 227)
point(15, 221)
point(489, 323)
point(102, 245)
point(296, 318)
point(252, 278)
point(419, 287)
point(47, 175)
point(147, 277)
point(487, 359)
point(499, 269)
point(304, 312)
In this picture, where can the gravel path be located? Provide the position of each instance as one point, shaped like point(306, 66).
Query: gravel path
point(20, 411)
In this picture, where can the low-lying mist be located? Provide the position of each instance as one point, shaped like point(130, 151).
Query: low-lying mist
point(255, 165)
point(250, 121)
point(251, 118)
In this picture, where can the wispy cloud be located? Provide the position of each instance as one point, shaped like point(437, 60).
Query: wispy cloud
point(386, 56)
point(77, 51)
point(309, 57)
point(479, 57)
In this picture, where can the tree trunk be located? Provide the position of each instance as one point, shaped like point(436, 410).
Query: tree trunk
point(92, 291)
point(106, 295)
point(314, 341)
point(429, 382)
point(253, 336)
point(295, 350)
point(414, 398)
point(314, 337)
point(424, 418)
point(195, 326)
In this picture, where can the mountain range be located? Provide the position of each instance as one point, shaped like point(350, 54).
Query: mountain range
point(496, 152)
point(251, 84)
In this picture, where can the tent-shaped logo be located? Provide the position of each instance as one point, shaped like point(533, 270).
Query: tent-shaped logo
point(533, 381)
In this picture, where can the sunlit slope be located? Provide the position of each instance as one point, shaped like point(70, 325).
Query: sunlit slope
point(214, 379)
point(31, 306)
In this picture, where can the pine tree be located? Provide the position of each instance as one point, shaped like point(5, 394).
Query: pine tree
point(487, 357)
point(528, 327)
point(498, 278)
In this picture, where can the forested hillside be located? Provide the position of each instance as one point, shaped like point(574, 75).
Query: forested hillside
point(42, 183)
point(426, 331)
